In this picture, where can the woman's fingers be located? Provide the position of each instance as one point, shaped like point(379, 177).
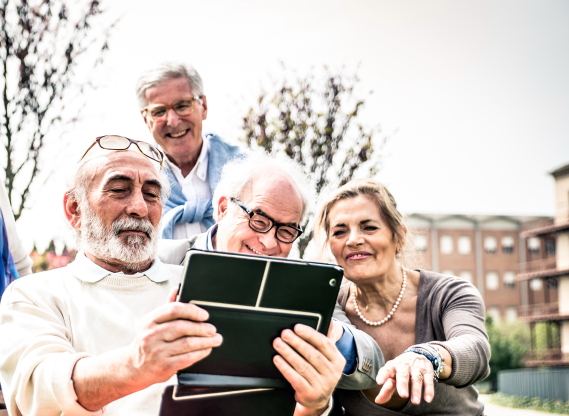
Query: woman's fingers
point(386, 391)
point(411, 375)
point(429, 388)
point(417, 380)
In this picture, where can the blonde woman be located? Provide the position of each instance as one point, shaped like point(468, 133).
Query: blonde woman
point(430, 327)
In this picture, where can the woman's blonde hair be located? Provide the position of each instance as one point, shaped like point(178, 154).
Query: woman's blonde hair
point(379, 194)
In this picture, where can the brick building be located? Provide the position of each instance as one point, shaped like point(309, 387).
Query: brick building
point(547, 262)
point(482, 249)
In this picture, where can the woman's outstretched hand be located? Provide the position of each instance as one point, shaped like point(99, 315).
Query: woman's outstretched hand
point(409, 375)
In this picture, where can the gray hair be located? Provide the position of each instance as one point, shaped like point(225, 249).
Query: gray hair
point(240, 172)
point(164, 72)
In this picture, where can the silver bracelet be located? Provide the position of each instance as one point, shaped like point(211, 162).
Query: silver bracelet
point(432, 354)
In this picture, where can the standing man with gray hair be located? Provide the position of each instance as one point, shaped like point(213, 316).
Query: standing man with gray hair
point(173, 105)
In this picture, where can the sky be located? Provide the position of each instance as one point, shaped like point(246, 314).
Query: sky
point(473, 94)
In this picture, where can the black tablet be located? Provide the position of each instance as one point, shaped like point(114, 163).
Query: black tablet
point(251, 300)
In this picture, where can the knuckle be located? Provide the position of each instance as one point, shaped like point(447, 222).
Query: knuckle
point(303, 368)
point(174, 308)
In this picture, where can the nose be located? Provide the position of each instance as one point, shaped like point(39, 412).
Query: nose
point(172, 118)
point(269, 239)
point(137, 206)
point(354, 237)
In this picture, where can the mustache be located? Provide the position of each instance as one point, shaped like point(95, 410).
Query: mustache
point(137, 224)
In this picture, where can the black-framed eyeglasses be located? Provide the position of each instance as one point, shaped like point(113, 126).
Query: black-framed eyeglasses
point(183, 107)
point(112, 142)
point(262, 224)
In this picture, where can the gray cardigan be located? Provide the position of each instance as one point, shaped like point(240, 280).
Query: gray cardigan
point(450, 310)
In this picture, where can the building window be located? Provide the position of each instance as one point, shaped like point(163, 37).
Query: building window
point(490, 244)
point(448, 272)
point(464, 244)
point(509, 280)
point(492, 281)
point(421, 242)
point(507, 245)
point(446, 244)
point(534, 245)
point(494, 312)
point(466, 275)
point(536, 284)
point(511, 314)
point(550, 247)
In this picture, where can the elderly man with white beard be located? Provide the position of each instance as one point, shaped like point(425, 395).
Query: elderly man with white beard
point(104, 334)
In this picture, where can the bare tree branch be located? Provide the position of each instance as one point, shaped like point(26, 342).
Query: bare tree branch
point(314, 122)
point(42, 43)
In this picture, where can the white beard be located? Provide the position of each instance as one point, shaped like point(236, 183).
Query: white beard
point(134, 251)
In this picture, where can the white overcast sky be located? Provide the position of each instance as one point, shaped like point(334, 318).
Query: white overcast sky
point(474, 93)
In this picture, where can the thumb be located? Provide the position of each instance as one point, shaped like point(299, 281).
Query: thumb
point(173, 294)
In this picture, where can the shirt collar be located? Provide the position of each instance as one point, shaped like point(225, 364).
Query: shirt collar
point(199, 170)
point(84, 269)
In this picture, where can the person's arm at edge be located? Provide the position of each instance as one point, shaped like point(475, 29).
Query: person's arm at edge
point(21, 258)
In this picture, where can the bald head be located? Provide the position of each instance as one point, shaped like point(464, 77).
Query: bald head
point(241, 175)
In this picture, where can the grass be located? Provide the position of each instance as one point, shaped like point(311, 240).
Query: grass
point(534, 403)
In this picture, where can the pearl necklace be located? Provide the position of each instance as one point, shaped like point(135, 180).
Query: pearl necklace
point(395, 306)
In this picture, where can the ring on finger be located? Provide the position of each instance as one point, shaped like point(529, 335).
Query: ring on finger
point(419, 377)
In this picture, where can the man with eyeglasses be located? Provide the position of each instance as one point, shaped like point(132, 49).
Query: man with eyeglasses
point(104, 334)
point(173, 106)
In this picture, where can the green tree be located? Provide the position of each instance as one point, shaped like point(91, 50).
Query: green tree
point(314, 121)
point(509, 345)
point(42, 44)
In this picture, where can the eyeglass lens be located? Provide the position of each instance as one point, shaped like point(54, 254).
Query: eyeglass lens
point(263, 224)
point(182, 108)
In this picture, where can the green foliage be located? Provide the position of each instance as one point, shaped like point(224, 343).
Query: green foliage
point(541, 334)
point(509, 344)
point(535, 403)
point(42, 45)
point(314, 121)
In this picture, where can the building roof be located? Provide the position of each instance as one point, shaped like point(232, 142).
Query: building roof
point(562, 171)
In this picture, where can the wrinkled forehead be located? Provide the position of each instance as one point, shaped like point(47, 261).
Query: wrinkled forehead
point(275, 195)
point(112, 164)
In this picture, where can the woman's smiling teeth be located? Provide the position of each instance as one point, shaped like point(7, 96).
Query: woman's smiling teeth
point(357, 256)
point(179, 134)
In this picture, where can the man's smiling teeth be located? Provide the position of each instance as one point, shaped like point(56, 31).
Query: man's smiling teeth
point(254, 251)
point(180, 134)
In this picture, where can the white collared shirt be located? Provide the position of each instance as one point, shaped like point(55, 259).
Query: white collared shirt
point(194, 185)
point(89, 272)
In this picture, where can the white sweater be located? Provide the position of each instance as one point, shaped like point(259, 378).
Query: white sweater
point(50, 320)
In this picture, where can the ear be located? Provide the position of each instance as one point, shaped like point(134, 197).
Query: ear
point(222, 207)
point(145, 118)
point(204, 105)
point(401, 244)
point(71, 208)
